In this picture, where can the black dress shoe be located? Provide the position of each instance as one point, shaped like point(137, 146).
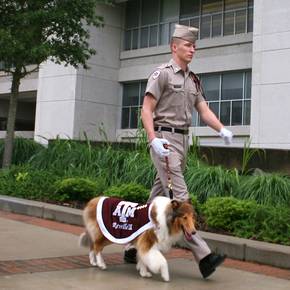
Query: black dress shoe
point(130, 256)
point(208, 264)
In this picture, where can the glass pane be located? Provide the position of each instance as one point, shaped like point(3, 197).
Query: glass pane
point(150, 9)
point(211, 85)
point(250, 20)
point(194, 118)
point(134, 117)
point(132, 13)
point(235, 4)
point(189, 8)
point(143, 88)
point(248, 85)
point(205, 27)
point(164, 34)
point(214, 106)
point(225, 113)
point(250, 3)
point(131, 94)
point(153, 36)
point(144, 37)
point(229, 23)
point(241, 21)
point(194, 22)
point(135, 39)
point(232, 86)
point(169, 10)
point(127, 40)
point(216, 25)
point(247, 112)
point(125, 118)
point(211, 6)
point(236, 113)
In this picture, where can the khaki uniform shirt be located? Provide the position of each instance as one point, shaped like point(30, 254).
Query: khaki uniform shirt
point(176, 94)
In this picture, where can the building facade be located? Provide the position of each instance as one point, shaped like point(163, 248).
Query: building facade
point(242, 58)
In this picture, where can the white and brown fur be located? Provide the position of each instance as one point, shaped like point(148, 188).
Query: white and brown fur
point(171, 220)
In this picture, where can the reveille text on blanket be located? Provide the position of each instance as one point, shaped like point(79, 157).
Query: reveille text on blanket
point(122, 221)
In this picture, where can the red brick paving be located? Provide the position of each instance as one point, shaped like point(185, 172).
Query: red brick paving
point(78, 262)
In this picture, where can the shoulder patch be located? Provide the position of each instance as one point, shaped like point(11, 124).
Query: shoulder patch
point(156, 74)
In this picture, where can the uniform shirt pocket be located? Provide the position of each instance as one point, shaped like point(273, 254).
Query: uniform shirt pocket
point(176, 94)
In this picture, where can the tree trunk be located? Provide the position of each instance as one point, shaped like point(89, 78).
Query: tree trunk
point(9, 138)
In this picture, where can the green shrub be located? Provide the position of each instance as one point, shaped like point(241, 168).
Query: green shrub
point(266, 189)
point(210, 181)
point(223, 213)
point(78, 189)
point(25, 182)
point(131, 192)
point(247, 219)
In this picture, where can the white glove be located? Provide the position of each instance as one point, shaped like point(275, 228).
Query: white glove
point(227, 135)
point(157, 145)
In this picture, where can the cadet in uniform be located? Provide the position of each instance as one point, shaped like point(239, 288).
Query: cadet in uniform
point(172, 93)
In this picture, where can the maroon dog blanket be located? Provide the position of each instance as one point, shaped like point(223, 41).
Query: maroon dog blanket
point(122, 221)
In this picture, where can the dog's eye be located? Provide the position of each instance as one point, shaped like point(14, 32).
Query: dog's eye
point(185, 218)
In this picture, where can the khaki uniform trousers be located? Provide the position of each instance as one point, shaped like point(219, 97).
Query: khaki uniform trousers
point(177, 162)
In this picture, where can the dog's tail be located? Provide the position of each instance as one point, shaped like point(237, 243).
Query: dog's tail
point(85, 240)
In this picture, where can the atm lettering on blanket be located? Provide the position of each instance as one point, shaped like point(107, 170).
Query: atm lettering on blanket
point(124, 211)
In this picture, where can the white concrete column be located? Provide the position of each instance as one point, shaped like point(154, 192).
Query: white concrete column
point(270, 116)
point(55, 104)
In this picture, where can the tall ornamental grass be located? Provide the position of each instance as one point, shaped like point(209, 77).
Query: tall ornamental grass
point(266, 189)
point(211, 181)
point(23, 149)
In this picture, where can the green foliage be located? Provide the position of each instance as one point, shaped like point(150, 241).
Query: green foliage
point(267, 189)
point(209, 181)
point(223, 213)
point(248, 154)
point(23, 149)
point(25, 182)
point(78, 189)
point(247, 219)
point(32, 31)
point(131, 192)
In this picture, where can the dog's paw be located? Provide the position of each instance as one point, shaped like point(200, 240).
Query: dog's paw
point(165, 277)
point(145, 274)
point(102, 266)
point(93, 259)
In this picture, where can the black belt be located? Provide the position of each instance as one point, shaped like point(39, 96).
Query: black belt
point(172, 130)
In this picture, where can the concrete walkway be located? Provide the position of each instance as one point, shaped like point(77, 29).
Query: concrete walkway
point(42, 254)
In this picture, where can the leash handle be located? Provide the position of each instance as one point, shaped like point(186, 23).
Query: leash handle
point(169, 185)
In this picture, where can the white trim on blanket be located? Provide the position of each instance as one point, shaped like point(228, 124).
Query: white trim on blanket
point(107, 234)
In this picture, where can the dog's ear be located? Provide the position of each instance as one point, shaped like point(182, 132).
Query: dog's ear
point(175, 204)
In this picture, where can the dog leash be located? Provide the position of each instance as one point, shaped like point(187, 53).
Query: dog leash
point(169, 180)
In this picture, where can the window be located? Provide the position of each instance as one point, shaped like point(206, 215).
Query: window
point(133, 94)
point(229, 97)
point(151, 22)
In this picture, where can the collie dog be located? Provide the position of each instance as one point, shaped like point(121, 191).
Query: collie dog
point(168, 220)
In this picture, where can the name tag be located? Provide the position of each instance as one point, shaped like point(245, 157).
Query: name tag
point(177, 86)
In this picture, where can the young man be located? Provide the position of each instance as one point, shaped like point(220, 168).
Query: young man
point(172, 93)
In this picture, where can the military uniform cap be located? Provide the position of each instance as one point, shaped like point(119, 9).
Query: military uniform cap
point(185, 32)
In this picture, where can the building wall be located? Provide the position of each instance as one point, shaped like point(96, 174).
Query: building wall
point(72, 103)
point(98, 92)
point(55, 102)
point(270, 126)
